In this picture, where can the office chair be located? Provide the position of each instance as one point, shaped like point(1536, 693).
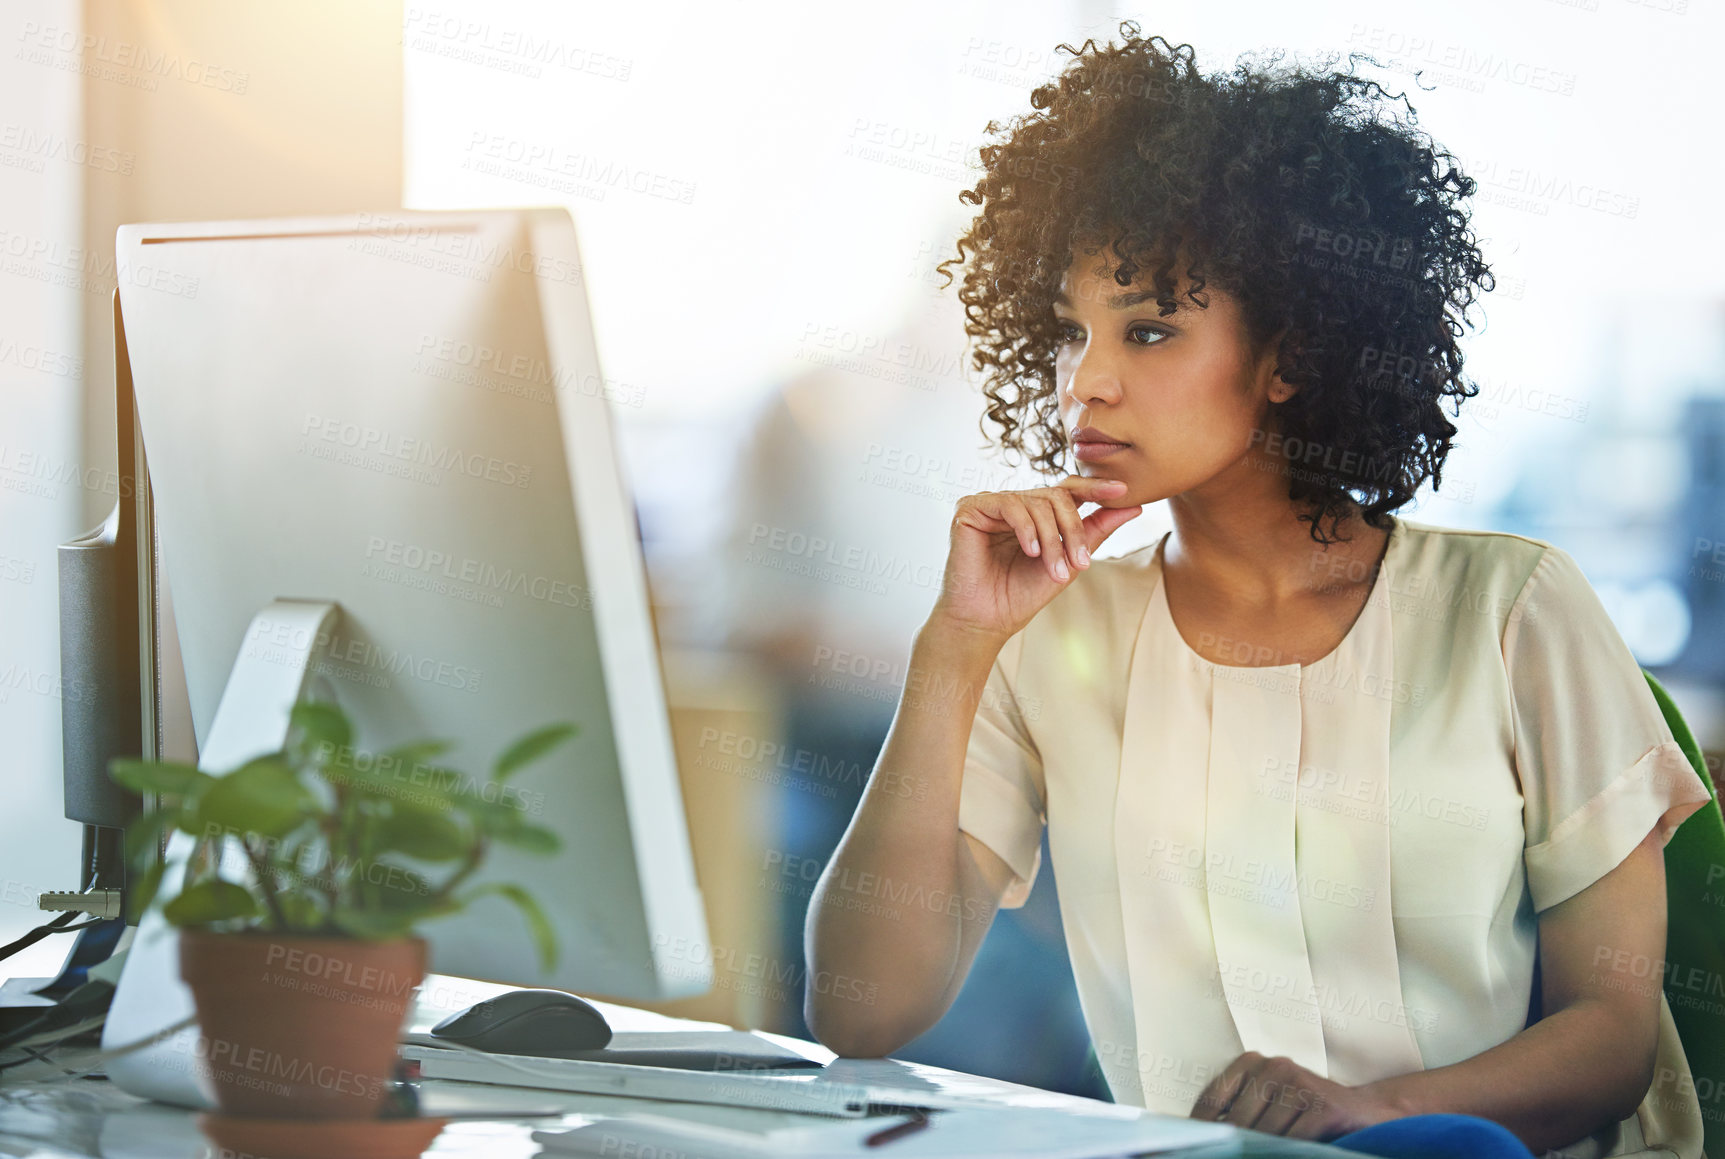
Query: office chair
point(1695, 935)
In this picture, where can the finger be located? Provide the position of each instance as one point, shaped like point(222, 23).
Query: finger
point(1105, 521)
point(1002, 510)
point(1248, 1103)
point(1014, 512)
point(1267, 1100)
point(1093, 488)
point(1248, 1106)
point(1072, 535)
point(1313, 1123)
point(1048, 531)
point(1213, 1101)
point(1209, 1103)
point(1271, 1096)
point(1284, 1104)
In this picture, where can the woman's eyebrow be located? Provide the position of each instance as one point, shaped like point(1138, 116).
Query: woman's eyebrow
point(1117, 302)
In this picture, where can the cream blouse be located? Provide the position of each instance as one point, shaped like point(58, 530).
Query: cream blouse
point(1339, 862)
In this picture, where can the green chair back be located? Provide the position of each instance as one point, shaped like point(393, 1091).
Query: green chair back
point(1695, 937)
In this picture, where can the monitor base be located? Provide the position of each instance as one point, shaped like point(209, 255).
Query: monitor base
point(268, 678)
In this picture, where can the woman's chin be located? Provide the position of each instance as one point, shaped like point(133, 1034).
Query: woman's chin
point(1136, 489)
point(1134, 497)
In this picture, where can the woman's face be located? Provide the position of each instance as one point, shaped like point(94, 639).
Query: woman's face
point(1183, 396)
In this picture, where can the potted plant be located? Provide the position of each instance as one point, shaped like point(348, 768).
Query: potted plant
point(301, 954)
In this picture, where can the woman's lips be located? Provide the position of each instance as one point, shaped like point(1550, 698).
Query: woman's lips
point(1091, 452)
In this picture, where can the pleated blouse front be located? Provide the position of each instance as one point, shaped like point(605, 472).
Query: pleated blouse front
point(1340, 862)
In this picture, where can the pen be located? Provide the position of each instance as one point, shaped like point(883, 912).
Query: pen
point(917, 1121)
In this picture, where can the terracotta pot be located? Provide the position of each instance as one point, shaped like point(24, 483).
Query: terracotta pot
point(299, 1027)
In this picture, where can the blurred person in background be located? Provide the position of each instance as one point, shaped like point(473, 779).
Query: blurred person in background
point(838, 512)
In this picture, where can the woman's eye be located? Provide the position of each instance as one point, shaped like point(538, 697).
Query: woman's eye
point(1139, 334)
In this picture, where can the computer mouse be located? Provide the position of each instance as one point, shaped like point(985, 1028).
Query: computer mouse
point(543, 1023)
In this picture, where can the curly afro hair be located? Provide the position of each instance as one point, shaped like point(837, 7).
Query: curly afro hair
point(1333, 222)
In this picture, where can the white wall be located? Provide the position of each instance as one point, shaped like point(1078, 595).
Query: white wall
point(44, 156)
point(135, 110)
point(243, 110)
point(762, 187)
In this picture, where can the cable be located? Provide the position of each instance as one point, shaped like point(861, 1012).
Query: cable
point(83, 1009)
point(89, 1001)
point(106, 1056)
point(51, 1039)
point(58, 926)
point(83, 925)
point(34, 1054)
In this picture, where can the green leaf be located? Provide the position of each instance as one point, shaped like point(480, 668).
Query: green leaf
point(418, 831)
point(529, 838)
point(398, 910)
point(211, 901)
point(262, 797)
point(374, 925)
point(345, 773)
point(500, 822)
point(291, 875)
point(301, 910)
point(400, 888)
point(418, 753)
point(167, 778)
point(544, 937)
point(417, 783)
point(530, 748)
point(322, 723)
point(446, 784)
point(403, 771)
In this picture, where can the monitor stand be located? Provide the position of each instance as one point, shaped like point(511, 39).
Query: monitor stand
point(269, 677)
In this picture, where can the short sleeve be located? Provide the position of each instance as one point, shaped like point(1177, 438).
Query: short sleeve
point(1598, 765)
point(1000, 801)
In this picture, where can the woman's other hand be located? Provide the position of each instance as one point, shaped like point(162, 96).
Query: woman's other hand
point(1280, 1097)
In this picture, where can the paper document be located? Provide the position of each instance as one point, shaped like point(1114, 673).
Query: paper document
point(972, 1133)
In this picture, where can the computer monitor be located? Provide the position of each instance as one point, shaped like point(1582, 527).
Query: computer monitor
point(402, 415)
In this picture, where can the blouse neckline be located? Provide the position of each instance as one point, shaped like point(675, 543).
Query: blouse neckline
point(1160, 596)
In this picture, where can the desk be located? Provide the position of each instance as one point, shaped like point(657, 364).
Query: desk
point(89, 1118)
point(50, 1117)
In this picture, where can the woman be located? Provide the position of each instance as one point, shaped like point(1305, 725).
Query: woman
point(1355, 820)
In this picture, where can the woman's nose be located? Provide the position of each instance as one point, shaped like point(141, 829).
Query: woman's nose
point(1092, 379)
